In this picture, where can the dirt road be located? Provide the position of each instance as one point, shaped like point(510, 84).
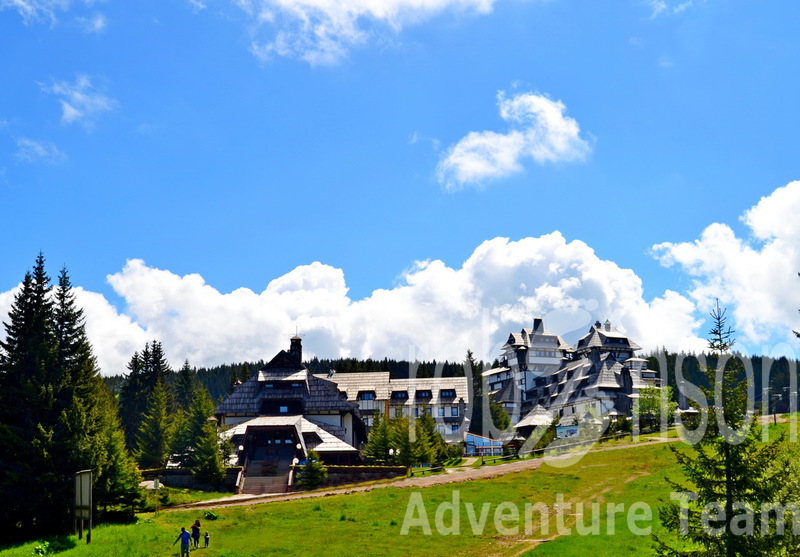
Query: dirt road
point(454, 475)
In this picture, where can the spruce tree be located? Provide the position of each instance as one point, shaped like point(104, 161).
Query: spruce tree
point(155, 432)
point(51, 421)
point(146, 371)
point(378, 442)
point(400, 435)
point(728, 469)
point(116, 485)
point(186, 384)
point(208, 465)
point(28, 411)
point(189, 433)
point(313, 473)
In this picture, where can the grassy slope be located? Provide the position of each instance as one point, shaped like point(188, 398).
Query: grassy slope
point(370, 523)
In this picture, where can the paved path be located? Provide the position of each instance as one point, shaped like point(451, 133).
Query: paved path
point(459, 475)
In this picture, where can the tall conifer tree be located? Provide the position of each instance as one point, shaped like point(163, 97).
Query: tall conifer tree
point(51, 424)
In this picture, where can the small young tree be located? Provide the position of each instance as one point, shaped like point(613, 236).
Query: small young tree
point(400, 435)
point(378, 442)
point(313, 473)
point(731, 476)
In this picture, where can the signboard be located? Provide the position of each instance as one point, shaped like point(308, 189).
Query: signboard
point(83, 502)
point(563, 432)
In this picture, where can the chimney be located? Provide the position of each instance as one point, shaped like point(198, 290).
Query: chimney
point(537, 324)
point(296, 349)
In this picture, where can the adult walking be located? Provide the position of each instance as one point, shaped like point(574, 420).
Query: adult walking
point(184, 538)
point(196, 533)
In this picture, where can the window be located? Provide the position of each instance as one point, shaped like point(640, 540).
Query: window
point(416, 411)
point(296, 385)
point(447, 393)
point(399, 395)
point(441, 411)
point(453, 428)
point(283, 409)
point(366, 395)
point(427, 395)
point(454, 411)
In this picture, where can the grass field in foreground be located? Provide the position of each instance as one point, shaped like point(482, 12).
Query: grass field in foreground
point(370, 523)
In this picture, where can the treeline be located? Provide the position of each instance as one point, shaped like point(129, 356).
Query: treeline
point(219, 380)
point(693, 370)
point(398, 369)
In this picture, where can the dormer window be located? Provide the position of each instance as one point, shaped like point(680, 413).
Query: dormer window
point(366, 395)
point(447, 393)
point(399, 395)
point(424, 395)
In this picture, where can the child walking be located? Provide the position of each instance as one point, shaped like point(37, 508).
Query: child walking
point(207, 538)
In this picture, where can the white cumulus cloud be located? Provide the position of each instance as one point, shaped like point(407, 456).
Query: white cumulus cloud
point(80, 101)
point(539, 131)
point(323, 31)
point(435, 311)
point(755, 276)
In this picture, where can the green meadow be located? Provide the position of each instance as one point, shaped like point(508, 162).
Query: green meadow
point(371, 523)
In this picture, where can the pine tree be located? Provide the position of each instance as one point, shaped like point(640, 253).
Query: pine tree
point(313, 473)
point(730, 469)
point(116, 484)
point(429, 447)
point(402, 441)
point(155, 432)
point(27, 409)
point(208, 465)
point(473, 370)
point(146, 371)
point(190, 432)
point(52, 423)
point(378, 442)
point(185, 385)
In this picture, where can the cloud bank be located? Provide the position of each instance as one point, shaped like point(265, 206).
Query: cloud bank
point(755, 276)
point(322, 32)
point(436, 311)
point(539, 131)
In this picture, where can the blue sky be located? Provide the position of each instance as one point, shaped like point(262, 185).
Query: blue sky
point(401, 177)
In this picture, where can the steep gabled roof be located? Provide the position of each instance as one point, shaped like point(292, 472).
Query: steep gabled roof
point(605, 336)
point(283, 362)
point(538, 416)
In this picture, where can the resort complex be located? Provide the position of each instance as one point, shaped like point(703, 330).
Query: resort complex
point(284, 411)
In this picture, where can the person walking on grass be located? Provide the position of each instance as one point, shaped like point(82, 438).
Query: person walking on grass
point(207, 538)
point(196, 533)
point(184, 538)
